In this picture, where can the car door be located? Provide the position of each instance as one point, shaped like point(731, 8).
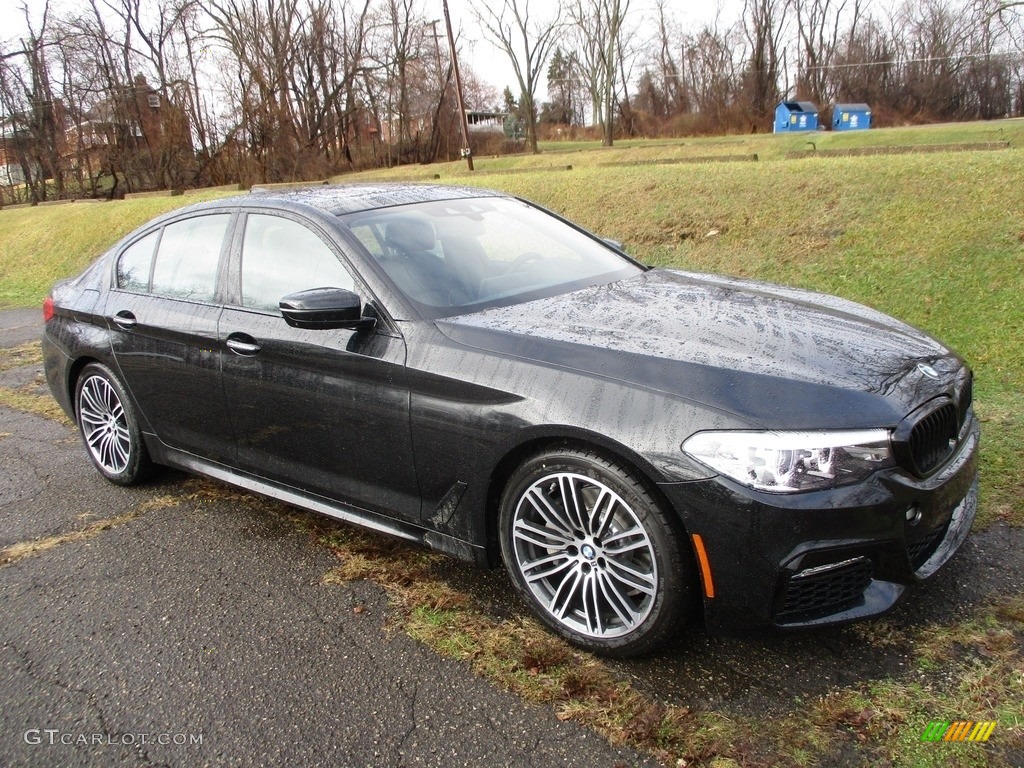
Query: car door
point(324, 411)
point(162, 312)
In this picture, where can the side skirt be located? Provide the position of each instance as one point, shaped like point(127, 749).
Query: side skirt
point(449, 545)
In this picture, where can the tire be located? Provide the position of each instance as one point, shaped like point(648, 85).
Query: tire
point(109, 427)
point(609, 577)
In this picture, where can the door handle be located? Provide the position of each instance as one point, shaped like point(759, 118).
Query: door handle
point(241, 344)
point(125, 320)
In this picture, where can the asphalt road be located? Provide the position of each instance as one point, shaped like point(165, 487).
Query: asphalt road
point(206, 619)
point(200, 633)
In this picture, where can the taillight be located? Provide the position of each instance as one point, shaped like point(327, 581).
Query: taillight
point(47, 309)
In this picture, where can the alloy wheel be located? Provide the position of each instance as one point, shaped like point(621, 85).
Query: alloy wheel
point(585, 555)
point(104, 425)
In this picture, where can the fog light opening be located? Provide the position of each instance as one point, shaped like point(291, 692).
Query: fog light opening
point(913, 515)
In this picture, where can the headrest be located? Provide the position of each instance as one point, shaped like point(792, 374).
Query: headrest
point(408, 235)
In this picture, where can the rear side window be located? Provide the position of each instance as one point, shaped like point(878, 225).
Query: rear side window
point(187, 259)
point(135, 262)
point(281, 256)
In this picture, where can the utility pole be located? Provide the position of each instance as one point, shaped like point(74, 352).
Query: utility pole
point(443, 89)
point(467, 152)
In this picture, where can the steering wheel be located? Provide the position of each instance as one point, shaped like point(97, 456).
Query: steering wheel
point(523, 259)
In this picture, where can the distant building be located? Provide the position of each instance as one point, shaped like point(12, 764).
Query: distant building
point(16, 152)
point(482, 121)
point(791, 116)
point(133, 122)
point(11, 170)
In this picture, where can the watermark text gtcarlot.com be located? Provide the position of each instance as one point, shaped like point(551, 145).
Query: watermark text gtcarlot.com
point(56, 737)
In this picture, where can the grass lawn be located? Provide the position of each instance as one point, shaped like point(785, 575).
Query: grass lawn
point(934, 239)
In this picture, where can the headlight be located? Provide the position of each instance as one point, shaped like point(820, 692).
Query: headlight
point(786, 462)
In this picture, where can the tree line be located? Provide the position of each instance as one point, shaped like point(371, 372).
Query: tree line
point(126, 95)
point(912, 62)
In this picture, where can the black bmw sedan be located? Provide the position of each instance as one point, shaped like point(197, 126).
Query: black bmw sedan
point(466, 370)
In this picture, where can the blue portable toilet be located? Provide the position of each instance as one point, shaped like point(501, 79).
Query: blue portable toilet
point(851, 117)
point(796, 116)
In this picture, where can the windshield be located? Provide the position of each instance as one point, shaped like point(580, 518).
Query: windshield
point(457, 255)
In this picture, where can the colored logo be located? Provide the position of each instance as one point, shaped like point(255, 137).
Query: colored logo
point(960, 730)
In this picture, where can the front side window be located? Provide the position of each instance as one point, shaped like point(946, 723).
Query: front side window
point(135, 262)
point(187, 259)
point(455, 255)
point(281, 256)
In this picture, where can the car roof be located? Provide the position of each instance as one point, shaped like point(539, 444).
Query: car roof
point(329, 199)
point(338, 199)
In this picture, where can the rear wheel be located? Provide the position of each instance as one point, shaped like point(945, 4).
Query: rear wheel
point(109, 426)
point(593, 553)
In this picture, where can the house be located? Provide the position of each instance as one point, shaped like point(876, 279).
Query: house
point(134, 125)
point(483, 121)
point(12, 144)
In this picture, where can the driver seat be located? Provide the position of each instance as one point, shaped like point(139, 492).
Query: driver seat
point(419, 272)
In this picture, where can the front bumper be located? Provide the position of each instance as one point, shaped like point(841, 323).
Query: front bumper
point(826, 557)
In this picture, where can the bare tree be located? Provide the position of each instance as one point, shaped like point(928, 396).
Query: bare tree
point(588, 33)
point(406, 41)
point(405, 83)
point(599, 28)
point(764, 23)
point(865, 67)
point(935, 44)
point(35, 113)
point(260, 38)
point(713, 80)
point(528, 43)
point(821, 26)
point(660, 90)
point(670, 70)
point(161, 30)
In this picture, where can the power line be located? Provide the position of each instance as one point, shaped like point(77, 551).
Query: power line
point(1006, 54)
point(998, 54)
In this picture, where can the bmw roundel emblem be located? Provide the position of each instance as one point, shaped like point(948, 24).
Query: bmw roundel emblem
point(927, 370)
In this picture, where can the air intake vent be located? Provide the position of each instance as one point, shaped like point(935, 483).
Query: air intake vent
point(921, 550)
point(824, 590)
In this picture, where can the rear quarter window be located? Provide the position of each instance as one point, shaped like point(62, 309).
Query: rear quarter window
point(134, 264)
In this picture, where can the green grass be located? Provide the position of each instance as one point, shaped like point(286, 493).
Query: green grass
point(972, 666)
point(774, 146)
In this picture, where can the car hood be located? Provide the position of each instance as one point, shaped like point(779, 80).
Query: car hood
point(763, 352)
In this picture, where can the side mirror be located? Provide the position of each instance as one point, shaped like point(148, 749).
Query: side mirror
point(325, 308)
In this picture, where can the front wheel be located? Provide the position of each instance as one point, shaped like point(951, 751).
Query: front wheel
point(109, 427)
point(593, 554)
